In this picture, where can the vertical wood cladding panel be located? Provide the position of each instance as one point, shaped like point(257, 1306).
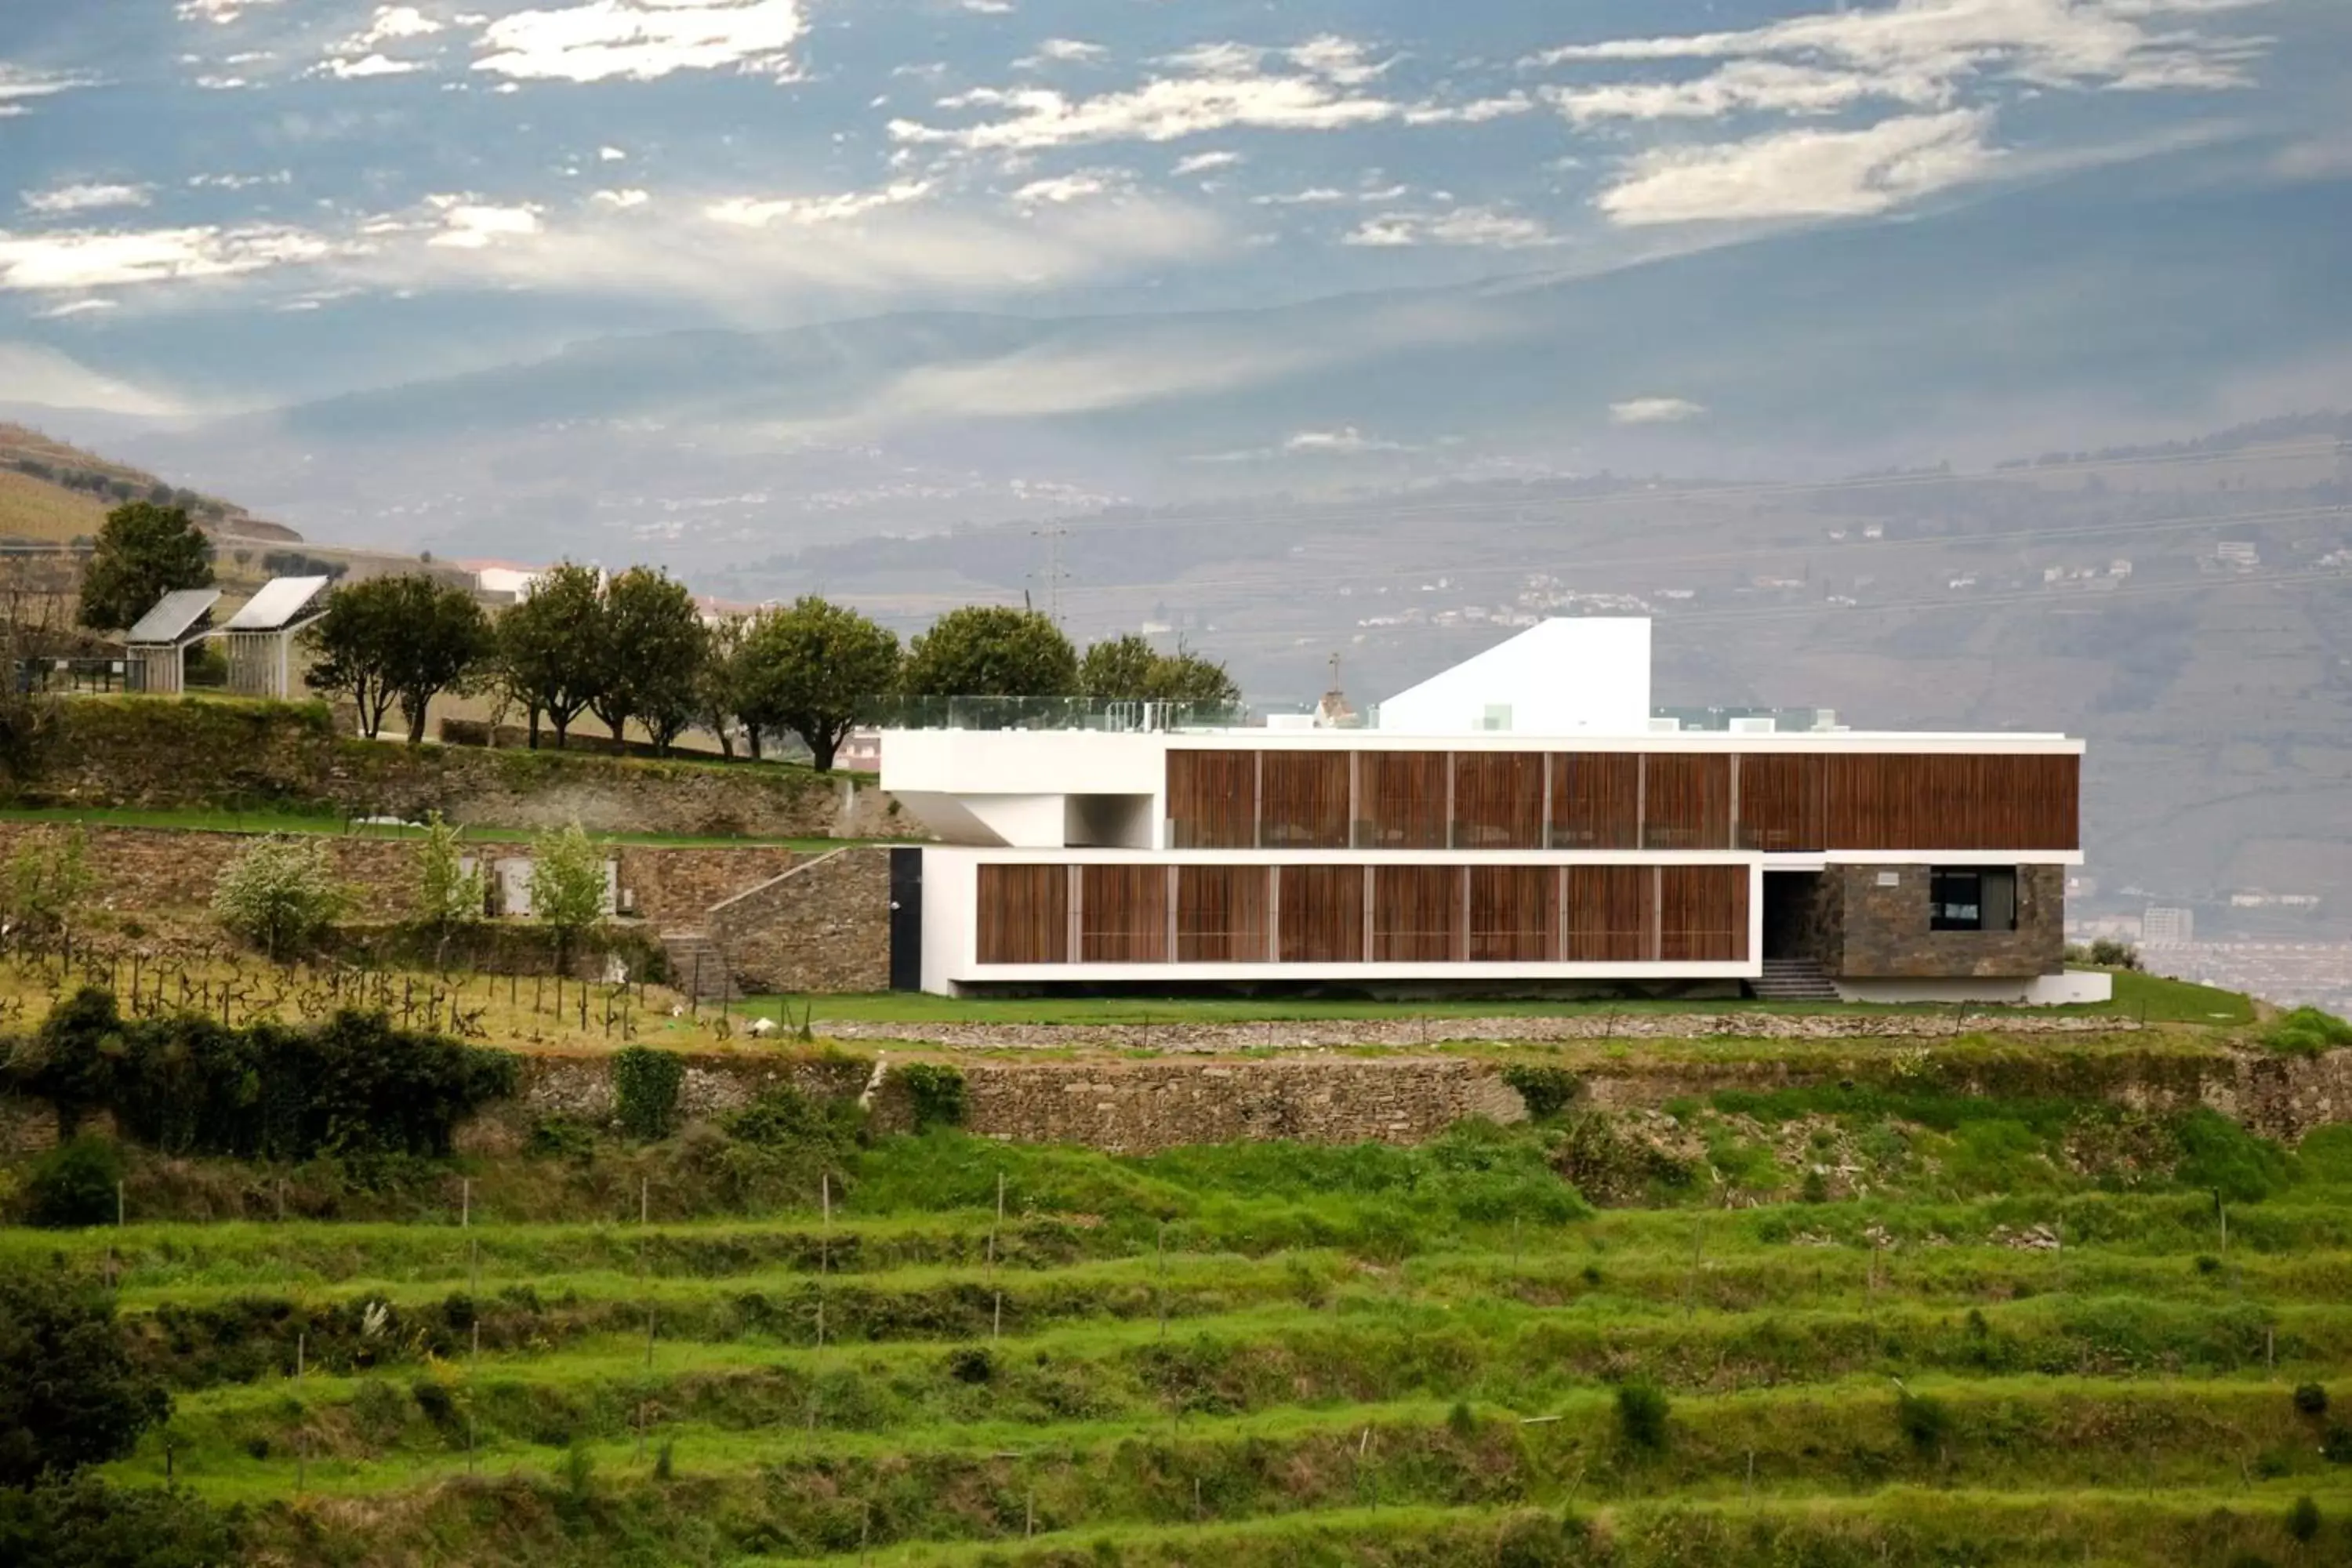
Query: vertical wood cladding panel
point(1686, 800)
point(1024, 914)
point(1416, 913)
point(1783, 801)
point(1595, 796)
point(1212, 799)
point(1123, 914)
point(1303, 801)
point(1320, 911)
point(1498, 800)
point(1702, 913)
point(1400, 800)
point(1221, 914)
point(1513, 914)
point(1608, 914)
point(1912, 801)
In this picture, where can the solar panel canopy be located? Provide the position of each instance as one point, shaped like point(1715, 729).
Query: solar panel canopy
point(282, 601)
point(176, 615)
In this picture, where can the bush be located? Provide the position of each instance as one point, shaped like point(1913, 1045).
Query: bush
point(935, 1095)
point(2310, 1399)
point(1549, 1090)
point(280, 894)
point(73, 1185)
point(2109, 954)
point(645, 1091)
point(1641, 1411)
point(2306, 1032)
point(2303, 1521)
point(86, 1523)
point(2218, 1156)
point(69, 1394)
point(1926, 1422)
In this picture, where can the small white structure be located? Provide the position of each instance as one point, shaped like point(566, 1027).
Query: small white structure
point(1560, 676)
point(261, 635)
point(158, 645)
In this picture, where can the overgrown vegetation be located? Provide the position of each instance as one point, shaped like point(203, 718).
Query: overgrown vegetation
point(936, 1095)
point(2306, 1032)
point(280, 894)
point(645, 1091)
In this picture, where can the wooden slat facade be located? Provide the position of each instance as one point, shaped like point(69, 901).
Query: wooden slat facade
point(1416, 914)
point(1400, 800)
point(1596, 799)
point(1123, 914)
point(1319, 910)
point(1221, 914)
point(1303, 801)
point(1686, 800)
point(1513, 914)
point(1023, 914)
point(1609, 914)
point(1775, 802)
point(1498, 800)
point(1212, 799)
point(1702, 913)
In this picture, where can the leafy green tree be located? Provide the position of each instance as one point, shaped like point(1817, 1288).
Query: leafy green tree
point(650, 646)
point(449, 895)
point(69, 1393)
point(85, 1523)
point(816, 670)
point(145, 551)
point(546, 657)
point(567, 885)
point(404, 639)
point(1185, 677)
point(719, 694)
point(992, 650)
point(49, 881)
point(280, 893)
point(1127, 669)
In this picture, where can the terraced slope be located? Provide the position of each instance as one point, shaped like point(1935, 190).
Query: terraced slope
point(2066, 1338)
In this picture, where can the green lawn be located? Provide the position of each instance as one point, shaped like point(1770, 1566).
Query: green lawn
point(217, 821)
point(2163, 1001)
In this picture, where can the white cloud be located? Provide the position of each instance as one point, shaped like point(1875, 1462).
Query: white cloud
point(1803, 173)
point(620, 201)
point(17, 83)
point(98, 260)
point(1201, 163)
point(34, 373)
point(76, 308)
point(1654, 411)
point(2049, 43)
point(1748, 85)
point(1485, 227)
point(1163, 109)
point(611, 156)
point(987, 7)
point(641, 40)
point(749, 212)
point(1312, 197)
point(1346, 441)
point(85, 198)
point(392, 22)
point(1082, 185)
point(219, 11)
point(2321, 160)
point(469, 223)
point(1478, 112)
point(365, 66)
point(1064, 51)
point(239, 182)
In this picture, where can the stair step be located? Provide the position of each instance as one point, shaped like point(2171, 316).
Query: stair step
point(697, 967)
point(1793, 980)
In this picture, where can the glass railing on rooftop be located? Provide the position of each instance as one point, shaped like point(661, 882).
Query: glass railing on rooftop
point(1056, 713)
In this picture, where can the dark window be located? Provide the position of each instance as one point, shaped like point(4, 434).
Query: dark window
point(1972, 898)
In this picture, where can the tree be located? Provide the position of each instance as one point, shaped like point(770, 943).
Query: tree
point(280, 893)
point(449, 896)
point(650, 644)
point(1126, 670)
point(816, 670)
point(69, 1394)
point(546, 646)
point(445, 643)
point(718, 695)
point(992, 650)
point(50, 880)
point(1185, 677)
point(404, 639)
point(145, 551)
point(567, 885)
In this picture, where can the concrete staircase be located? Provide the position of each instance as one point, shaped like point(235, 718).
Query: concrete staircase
point(1793, 980)
point(697, 968)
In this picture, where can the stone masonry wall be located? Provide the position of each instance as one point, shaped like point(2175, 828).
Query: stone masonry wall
point(823, 928)
point(202, 752)
point(1882, 932)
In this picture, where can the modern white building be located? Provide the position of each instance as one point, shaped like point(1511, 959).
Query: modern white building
point(1458, 844)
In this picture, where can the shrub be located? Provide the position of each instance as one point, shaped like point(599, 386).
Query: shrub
point(970, 1363)
point(280, 894)
point(449, 896)
point(69, 1394)
point(935, 1095)
point(2306, 1032)
point(2109, 954)
point(2303, 1521)
point(49, 881)
point(782, 1117)
point(73, 1185)
point(1548, 1090)
point(567, 886)
point(87, 1524)
point(1641, 1411)
point(645, 1091)
point(2310, 1399)
point(2218, 1156)
point(1926, 1422)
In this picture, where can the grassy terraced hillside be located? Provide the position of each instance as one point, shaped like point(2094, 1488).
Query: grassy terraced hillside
point(1883, 1323)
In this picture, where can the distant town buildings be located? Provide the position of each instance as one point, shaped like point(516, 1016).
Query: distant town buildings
point(2167, 925)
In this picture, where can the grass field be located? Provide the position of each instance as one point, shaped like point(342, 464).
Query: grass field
point(217, 821)
point(1822, 1327)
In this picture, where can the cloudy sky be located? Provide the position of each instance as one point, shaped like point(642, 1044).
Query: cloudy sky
point(212, 204)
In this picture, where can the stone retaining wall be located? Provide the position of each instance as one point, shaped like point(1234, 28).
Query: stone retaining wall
point(823, 927)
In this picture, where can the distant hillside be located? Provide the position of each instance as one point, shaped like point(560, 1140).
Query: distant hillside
point(53, 492)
